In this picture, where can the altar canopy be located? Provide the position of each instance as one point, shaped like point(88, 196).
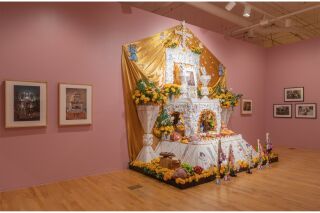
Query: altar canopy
point(150, 58)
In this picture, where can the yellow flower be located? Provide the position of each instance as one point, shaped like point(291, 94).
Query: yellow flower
point(137, 93)
point(137, 101)
point(164, 98)
point(180, 181)
point(155, 95)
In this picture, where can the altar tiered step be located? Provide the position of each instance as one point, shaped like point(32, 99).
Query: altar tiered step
point(204, 153)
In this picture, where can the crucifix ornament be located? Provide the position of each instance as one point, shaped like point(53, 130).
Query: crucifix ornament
point(183, 33)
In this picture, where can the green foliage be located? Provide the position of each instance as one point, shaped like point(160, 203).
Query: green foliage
point(188, 168)
point(199, 93)
point(143, 84)
point(164, 119)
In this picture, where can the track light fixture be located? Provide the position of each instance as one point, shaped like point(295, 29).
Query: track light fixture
point(247, 11)
point(230, 6)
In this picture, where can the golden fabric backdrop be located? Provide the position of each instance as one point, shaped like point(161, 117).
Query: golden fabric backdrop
point(150, 64)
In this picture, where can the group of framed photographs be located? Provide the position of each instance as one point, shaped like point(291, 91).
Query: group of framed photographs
point(26, 104)
point(302, 110)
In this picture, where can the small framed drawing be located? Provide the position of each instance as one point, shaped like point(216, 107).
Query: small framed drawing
point(306, 110)
point(75, 104)
point(282, 110)
point(246, 106)
point(294, 94)
point(25, 104)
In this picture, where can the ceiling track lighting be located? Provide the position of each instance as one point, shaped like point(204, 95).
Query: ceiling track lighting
point(251, 33)
point(264, 22)
point(247, 11)
point(230, 6)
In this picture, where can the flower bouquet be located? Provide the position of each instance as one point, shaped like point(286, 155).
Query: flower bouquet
point(147, 93)
point(228, 100)
point(171, 90)
point(164, 125)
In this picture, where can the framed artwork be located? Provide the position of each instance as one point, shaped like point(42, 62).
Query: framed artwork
point(294, 94)
point(306, 110)
point(75, 104)
point(25, 104)
point(246, 106)
point(282, 110)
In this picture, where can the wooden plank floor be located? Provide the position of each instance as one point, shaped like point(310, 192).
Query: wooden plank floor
point(291, 184)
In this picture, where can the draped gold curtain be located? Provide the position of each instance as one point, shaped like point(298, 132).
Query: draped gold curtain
point(151, 65)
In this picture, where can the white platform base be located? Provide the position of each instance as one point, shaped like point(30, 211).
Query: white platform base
point(204, 153)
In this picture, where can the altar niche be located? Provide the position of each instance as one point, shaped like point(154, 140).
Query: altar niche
point(178, 123)
point(207, 121)
point(191, 75)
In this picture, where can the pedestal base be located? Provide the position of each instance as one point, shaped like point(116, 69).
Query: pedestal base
point(204, 153)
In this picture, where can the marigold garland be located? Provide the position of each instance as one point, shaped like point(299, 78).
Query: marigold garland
point(153, 168)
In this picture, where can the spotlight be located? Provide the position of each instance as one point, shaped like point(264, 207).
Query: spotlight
point(230, 6)
point(247, 11)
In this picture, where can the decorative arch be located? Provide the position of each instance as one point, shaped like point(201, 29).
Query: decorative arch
point(208, 120)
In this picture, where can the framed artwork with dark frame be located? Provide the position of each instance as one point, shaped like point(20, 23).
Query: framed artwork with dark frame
point(306, 110)
point(246, 106)
point(75, 104)
point(294, 94)
point(282, 110)
point(25, 104)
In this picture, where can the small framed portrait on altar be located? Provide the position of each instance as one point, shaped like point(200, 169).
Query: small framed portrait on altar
point(294, 94)
point(306, 110)
point(246, 106)
point(25, 104)
point(191, 78)
point(75, 104)
point(282, 110)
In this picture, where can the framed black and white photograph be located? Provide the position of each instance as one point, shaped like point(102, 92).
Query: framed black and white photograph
point(246, 106)
point(282, 110)
point(25, 104)
point(75, 104)
point(306, 110)
point(294, 94)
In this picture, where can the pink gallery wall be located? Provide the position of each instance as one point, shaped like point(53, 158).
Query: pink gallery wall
point(295, 65)
point(81, 43)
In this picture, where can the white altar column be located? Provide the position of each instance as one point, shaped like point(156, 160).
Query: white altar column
point(147, 115)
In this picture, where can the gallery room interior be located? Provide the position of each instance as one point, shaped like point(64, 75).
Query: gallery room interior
point(159, 106)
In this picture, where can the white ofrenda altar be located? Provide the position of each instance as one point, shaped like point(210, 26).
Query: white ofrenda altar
point(200, 151)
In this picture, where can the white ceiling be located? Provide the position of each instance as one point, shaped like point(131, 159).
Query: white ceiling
point(213, 16)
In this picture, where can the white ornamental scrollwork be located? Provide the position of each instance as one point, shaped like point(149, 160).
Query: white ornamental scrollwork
point(147, 139)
